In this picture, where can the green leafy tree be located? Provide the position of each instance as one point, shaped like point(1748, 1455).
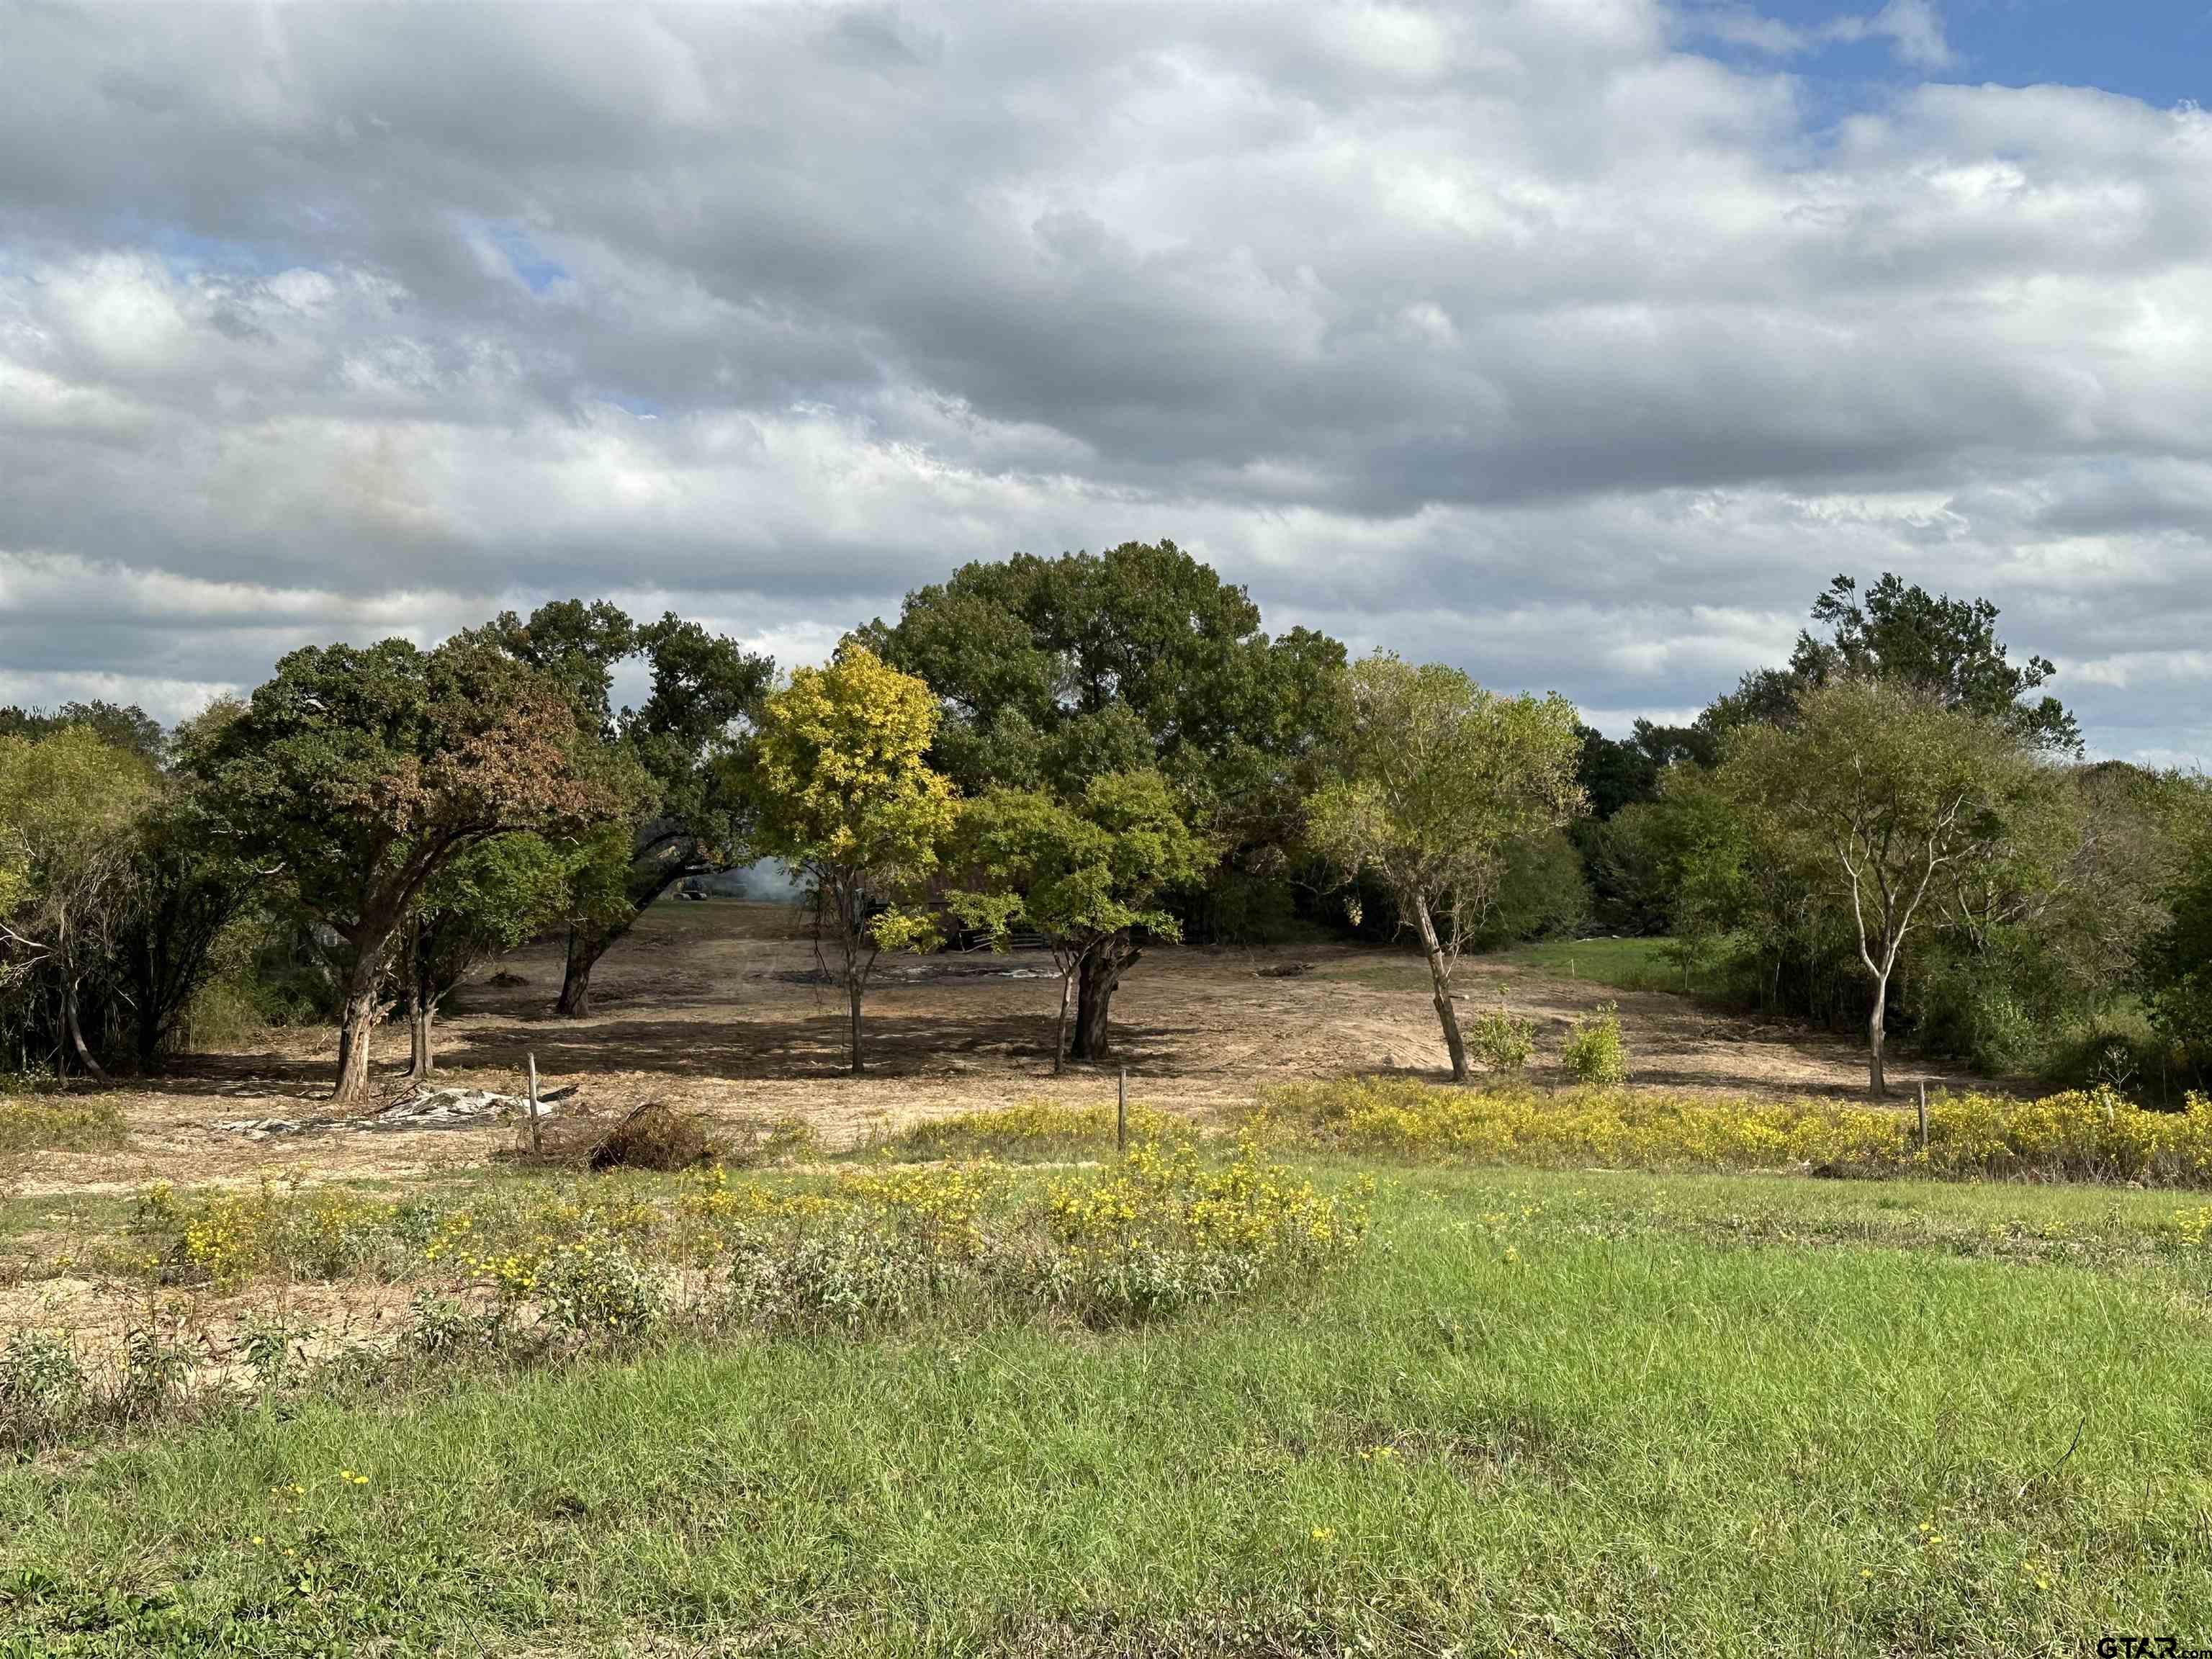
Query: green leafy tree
point(495, 897)
point(682, 818)
point(2173, 957)
point(72, 804)
point(1943, 650)
point(187, 884)
point(1053, 671)
point(1436, 779)
point(1884, 798)
point(360, 774)
point(1618, 773)
point(1087, 874)
point(120, 726)
point(839, 789)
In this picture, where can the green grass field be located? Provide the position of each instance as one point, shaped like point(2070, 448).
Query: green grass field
point(1541, 1413)
point(1622, 964)
point(1619, 964)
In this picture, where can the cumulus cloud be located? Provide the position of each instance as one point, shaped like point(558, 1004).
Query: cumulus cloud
point(1526, 336)
point(1913, 30)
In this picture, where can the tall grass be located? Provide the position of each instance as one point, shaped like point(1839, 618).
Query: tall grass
point(36, 1122)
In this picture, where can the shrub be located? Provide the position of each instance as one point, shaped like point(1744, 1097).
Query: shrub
point(270, 1347)
point(152, 1368)
point(593, 1287)
point(1596, 1052)
point(39, 1376)
point(439, 1327)
point(1502, 1041)
point(779, 1140)
point(850, 1279)
point(225, 1237)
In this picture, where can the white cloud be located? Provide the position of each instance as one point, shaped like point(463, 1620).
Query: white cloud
point(1520, 336)
point(1913, 28)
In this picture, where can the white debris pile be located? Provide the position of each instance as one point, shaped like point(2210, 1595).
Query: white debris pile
point(426, 1109)
point(260, 1128)
point(430, 1108)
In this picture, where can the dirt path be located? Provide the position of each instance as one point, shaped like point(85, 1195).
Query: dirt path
point(708, 1005)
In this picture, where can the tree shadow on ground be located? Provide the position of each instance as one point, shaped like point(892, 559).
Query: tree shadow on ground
point(814, 1045)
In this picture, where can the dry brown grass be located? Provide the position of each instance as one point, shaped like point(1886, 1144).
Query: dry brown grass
point(698, 1009)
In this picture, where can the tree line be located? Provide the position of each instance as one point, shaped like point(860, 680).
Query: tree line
point(1102, 751)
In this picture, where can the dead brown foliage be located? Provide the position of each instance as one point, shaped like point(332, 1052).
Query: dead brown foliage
point(654, 1136)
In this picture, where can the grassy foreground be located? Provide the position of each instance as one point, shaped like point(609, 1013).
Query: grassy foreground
point(1541, 1413)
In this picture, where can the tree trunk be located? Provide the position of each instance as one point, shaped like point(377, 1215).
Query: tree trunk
point(1094, 1004)
point(74, 1026)
point(585, 946)
point(422, 1058)
point(1440, 987)
point(1059, 1026)
point(853, 996)
point(1877, 1085)
point(357, 1022)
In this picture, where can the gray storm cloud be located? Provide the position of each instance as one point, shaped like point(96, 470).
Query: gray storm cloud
point(1523, 335)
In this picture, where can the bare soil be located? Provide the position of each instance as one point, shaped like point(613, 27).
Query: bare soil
point(708, 1006)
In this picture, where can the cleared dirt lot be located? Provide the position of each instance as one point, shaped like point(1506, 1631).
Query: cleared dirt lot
point(708, 1005)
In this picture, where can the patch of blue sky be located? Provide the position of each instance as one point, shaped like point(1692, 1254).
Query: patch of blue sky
point(532, 266)
point(189, 253)
point(2157, 50)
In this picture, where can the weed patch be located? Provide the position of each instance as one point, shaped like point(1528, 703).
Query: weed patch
point(2094, 1135)
point(1033, 1132)
point(29, 1123)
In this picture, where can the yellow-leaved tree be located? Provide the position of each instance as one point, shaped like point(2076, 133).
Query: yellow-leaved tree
point(840, 790)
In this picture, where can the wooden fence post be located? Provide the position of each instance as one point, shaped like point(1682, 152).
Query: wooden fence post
point(534, 1147)
point(1121, 1113)
point(1924, 1117)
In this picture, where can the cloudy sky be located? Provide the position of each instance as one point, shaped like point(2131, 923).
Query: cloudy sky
point(1576, 342)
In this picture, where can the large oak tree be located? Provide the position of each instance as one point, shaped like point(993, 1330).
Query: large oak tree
point(358, 774)
point(1053, 671)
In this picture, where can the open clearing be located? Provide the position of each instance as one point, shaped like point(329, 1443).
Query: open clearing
point(705, 1006)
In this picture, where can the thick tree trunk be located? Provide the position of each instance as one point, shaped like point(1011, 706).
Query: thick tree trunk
point(1877, 1084)
point(1101, 974)
point(1440, 987)
point(585, 946)
point(74, 1027)
point(360, 1019)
